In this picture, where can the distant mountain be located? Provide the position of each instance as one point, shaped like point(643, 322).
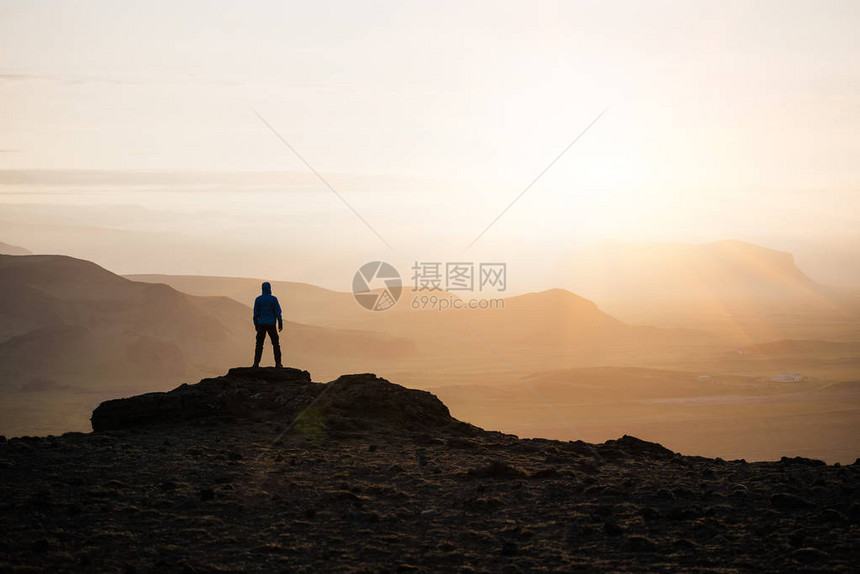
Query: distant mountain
point(720, 278)
point(547, 318)
point(553, 316)
point(302, 302)
point(6, 249)
point(70, 320)
point(547, 329)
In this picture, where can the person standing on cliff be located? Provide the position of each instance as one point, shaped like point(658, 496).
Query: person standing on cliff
point(267, 313)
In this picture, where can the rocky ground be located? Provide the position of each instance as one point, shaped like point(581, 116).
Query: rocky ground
point(373, 477)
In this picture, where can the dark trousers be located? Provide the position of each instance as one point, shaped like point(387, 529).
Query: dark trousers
point(272, 330)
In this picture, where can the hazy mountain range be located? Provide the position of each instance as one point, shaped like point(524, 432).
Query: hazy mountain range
point(723, 277)
point(69, 327)
point(6, 249)
point(73, 321)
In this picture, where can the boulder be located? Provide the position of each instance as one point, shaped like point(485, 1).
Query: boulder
point(351, 402)
point(635, 447)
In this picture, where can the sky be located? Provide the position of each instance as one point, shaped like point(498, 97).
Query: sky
point(719, 120)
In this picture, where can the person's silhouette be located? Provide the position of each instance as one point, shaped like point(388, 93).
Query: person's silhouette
point(267, 312)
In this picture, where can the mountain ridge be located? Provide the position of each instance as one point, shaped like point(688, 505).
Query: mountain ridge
point(8, 249)
point(76, 324)
point(653, 281)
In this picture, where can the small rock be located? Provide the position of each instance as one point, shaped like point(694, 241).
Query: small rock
point(684, 513)
point(429, 512)
point(589, 468)
point(371, 448)
point(809, 555)
point(462, 443)
point(649, 513)
point(684, 545)
point(206, 494)
point(612, 529)
point(786, 501)
point(638, 448)
point(797, 539)
point(611, 453)
point(497, 469)
point(421, 458)
point(638, 543)
point(548, 472)
point(799, 460)
point(664, 493)
point(556, 493)
point(509, 549)
point(482, 504)
point(853, 512)
point(832, 515)
point(611, 491)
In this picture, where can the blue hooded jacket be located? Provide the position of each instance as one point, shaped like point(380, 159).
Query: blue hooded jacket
point(267, 310)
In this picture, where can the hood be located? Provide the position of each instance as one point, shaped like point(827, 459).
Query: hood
point(267, 288)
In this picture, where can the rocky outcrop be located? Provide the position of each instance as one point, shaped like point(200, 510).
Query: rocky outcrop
point(364, 401)
point(633, 447)
point(351, 402)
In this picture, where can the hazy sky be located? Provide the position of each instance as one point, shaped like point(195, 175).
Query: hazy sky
point(725, 119)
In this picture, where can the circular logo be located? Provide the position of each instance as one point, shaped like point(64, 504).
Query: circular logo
point(377, 286)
